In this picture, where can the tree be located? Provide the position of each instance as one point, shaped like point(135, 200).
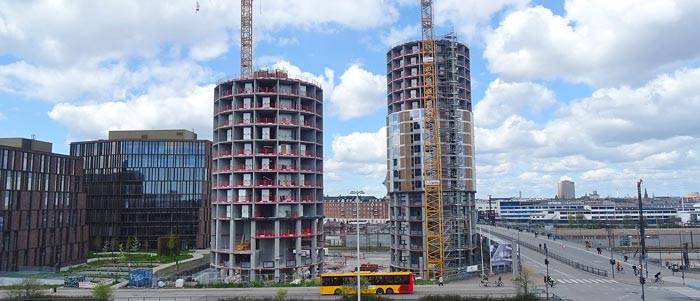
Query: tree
point(107, 246)
point(102, 292)
point(29, 288)
point(134, 244)
point(523, 281)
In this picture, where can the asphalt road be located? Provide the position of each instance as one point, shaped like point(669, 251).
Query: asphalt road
point(575, 284)
point(306, 293)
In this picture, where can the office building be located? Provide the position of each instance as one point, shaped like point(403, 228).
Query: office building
point(42, 207)
point(405, 126)
point(147, 185)
point(565, 190)
point(267, 211)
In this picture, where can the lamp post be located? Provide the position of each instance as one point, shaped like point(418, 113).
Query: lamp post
point(357, 194)
point(612, 259)
point(546, 263)
point(642, 280)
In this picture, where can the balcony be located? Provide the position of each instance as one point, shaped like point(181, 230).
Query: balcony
point(287, 183)
point(265, 120)
point(288, 154)
point(266, 90)
point(307, 109)
point(244, 91)
point(224, 124)
point(266, 151)
point(264, 183)
point(223, 108)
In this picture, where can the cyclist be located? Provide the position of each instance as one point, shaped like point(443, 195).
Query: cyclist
point(551, 281)
point(485, 281)
point(657, 277)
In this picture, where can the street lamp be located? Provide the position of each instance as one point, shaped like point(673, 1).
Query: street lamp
point(357, 194)
point(546, 263)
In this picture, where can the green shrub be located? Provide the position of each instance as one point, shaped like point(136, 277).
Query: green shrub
point(281, 294)
point(102, 292)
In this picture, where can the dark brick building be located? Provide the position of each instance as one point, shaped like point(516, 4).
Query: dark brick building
point(147, 185)
point(342, 209)
point(42, 207)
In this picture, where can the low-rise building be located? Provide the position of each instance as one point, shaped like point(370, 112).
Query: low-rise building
point(373, 210)
point(42, 207)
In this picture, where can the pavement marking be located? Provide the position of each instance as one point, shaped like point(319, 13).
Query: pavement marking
point(586, 281)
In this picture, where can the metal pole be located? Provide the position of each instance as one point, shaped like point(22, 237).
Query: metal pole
point(357, 239)
point(546, 264)
point(612, 259)
point(481, 247)
point(658, 239)
point(641, 235)
point(490, 262)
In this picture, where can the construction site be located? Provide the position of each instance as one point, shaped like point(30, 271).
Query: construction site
point(267, 211)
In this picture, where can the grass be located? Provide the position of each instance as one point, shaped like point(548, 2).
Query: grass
point(114, 258)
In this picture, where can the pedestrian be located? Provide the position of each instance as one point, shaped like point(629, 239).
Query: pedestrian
point(635, 253)
point(540, 246)
point(440, 281)
point(634, 269)
point(626, 257)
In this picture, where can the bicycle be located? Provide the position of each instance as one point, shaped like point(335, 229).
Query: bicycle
point(658, 281)
point(484, 283)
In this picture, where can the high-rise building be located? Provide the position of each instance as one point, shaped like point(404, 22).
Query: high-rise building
point(267, 203)
point(405, 126)
point(147, 185)
point(565, 190)
point(42, 207)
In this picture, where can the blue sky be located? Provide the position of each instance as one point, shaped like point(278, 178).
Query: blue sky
point(588, 90)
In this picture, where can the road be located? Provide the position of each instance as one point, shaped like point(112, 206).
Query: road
point(575, 284)
point(306, 293)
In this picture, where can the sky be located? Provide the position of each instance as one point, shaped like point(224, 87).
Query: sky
point(600, 92)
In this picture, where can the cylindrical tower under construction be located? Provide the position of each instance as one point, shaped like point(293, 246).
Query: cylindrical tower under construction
point(267, 177)
point(405, 156)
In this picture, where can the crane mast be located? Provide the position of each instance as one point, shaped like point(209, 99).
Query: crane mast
point(246, 38)
point(432, 205)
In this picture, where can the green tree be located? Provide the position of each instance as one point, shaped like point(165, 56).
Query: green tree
point(134, 244)
point(102, 292)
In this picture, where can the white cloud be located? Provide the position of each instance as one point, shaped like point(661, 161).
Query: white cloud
point(471, 17)
point(54, 32)
point(503, 99)
point(326, 80)
point(398, 35)
point(606, 140)
point(358, 154)
point(97, 82)
point(158, 109)
point(595, 42)
point(598, 174)
point(359, 93)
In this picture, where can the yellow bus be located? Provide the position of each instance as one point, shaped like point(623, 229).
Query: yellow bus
point(376, 283)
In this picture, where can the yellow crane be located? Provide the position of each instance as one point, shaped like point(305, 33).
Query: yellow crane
point(432, 205)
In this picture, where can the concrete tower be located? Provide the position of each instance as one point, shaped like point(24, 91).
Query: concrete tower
point(267, 177)
point(404, 156)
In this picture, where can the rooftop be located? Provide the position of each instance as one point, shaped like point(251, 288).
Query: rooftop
point(176, 134)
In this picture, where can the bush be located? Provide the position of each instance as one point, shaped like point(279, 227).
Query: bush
point(281, 294)
point(102, 292)
point(27, 289)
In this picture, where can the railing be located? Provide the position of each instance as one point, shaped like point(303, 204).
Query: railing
point(567, 261)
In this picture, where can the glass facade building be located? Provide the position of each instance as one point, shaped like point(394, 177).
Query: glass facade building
point(147, 188)
point(42, 208)
point(405, 132)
